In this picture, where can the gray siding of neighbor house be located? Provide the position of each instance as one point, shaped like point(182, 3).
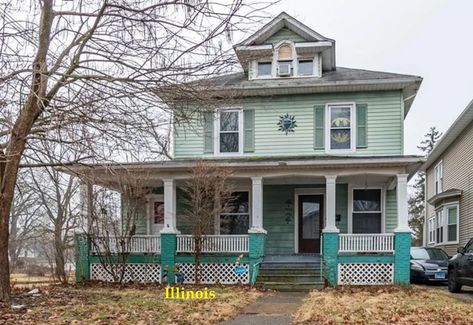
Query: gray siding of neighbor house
point(457, 173)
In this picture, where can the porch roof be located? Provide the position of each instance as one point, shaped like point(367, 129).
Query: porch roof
point(244, 166)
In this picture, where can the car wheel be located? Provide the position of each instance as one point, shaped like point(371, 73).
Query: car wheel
point(453, 285)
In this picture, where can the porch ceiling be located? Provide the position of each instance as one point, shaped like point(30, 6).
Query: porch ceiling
point(273, 169)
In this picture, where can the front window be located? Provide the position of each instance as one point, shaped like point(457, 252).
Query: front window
point(439, 178)
point(367, 211)
point(229, 132)
point(236, 220)
point(306, 67)
point(340, 127)
point(428, 254)
point(264, 69)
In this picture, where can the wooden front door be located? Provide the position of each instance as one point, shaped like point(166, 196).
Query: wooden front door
point(310, 222)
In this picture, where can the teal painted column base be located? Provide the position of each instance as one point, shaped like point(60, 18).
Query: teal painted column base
point(402, 257)
point(330, 257)
point(256, 243)
point(168, 256)
point(81, 252)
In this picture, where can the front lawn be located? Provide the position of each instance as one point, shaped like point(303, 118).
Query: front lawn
point(103, 304)
point(383, 305)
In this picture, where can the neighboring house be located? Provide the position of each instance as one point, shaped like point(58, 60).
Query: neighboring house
point(318, 161)
point(449, 187)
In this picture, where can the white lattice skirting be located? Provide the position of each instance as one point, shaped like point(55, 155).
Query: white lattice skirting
point(134, 272)
point(365, 273)
point(223, 273)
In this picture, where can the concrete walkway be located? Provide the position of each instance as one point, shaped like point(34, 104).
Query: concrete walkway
point(273, 309)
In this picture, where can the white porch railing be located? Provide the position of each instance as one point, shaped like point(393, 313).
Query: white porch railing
point(214, 244)
point(135, 244)
point(366, 243)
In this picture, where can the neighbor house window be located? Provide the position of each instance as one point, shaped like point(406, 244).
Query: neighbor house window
point(235, 221)
point(367, 211)
point(431, 230)
point(439, 178)
point(306, 67)
point(340, 127)
point(452, 223)
point(264, 69)
point(229, 132)
point(440, 226)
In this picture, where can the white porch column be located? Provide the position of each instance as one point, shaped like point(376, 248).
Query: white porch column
point(330, 219)
point(86, 205)
point(169, 207)
point(402, 208)
point(257, 205)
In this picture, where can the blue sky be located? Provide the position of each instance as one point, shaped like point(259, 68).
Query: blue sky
point(429, 38)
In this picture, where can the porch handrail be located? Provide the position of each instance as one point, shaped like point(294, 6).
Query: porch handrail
point(366, 243)
point(214, 244)
point(136, 244)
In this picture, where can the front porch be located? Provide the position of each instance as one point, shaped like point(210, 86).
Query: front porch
point(350, 215)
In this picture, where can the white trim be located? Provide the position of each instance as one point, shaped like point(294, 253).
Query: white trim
point(431, 230)
point(352, 187)
point(217, 152)
point(297, 193)
point(352, 106)
point(264, 76)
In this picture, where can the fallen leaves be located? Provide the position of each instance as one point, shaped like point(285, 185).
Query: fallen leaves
point(106, 304)
point(383, 305)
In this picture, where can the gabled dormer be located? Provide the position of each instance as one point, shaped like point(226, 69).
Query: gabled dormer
point(286, 48)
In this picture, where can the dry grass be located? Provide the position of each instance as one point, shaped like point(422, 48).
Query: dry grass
point(103, 304)
point(383, 305)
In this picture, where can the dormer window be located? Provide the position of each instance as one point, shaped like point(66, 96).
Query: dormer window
point(306, 67)
point(264, 69)
point(285, 61)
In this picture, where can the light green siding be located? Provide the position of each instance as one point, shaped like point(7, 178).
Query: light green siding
point(384, 120)
point(284, 34)
point(135, 209)
point(280, 239)
point(391, 210)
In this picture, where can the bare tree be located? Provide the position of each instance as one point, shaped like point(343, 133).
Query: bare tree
point(208, 193)
point(80, 72)
point(114, 221)
point(24, 220)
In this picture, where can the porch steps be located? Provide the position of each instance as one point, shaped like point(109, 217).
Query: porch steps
point(290, 273)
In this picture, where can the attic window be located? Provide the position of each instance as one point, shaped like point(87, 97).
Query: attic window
point(264, 69)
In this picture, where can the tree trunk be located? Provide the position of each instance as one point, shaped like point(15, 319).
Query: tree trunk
point(10, 160)
point(59, 259)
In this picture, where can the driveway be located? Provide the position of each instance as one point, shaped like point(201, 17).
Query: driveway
point(465, 294)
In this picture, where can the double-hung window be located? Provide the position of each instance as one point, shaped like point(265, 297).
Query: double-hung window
point(439, 227)
point(306, 67)
point(452, 223)
point(431, 230)
point(235, 221)
point(264, 69)
point(439, 178)
point(367, 211)
point(340, 127)
point(229, 136)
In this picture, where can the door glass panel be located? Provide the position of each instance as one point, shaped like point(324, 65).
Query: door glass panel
point(310, 220)
point(158, 213)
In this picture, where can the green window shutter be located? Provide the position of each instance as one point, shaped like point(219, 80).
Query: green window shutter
point(319, 126)
point(361, 125)
point(249, 130)
point(208, 132)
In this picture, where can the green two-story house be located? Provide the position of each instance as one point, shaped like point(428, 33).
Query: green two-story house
point(318, 167)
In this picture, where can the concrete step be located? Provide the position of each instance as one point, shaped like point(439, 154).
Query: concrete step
point(273, 265)
point(289, 270)
point(289, 278)
point(301, 286)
